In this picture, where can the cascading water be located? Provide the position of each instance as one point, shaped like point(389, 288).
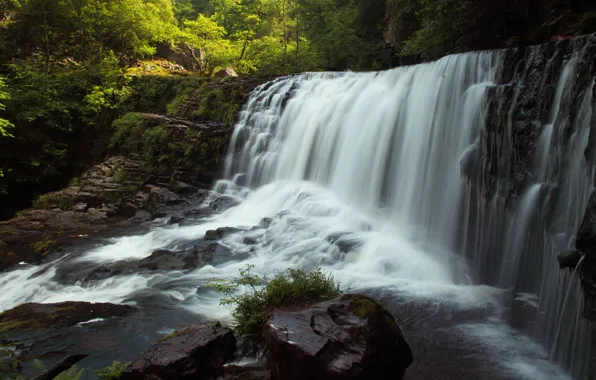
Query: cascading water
point(382, 179)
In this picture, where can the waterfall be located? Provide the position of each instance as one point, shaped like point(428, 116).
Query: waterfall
point(408, 147)
point(446, 190)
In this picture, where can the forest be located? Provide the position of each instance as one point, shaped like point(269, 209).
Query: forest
point(66, 66)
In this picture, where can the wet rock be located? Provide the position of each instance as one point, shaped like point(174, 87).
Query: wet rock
point(176, 219)
point(101, 273)
point(249, 240)
point(195, 352)
point(351, 337)
point(162, 196)
point(223, 203)
point(569, 259)
point(198, 212)
point(222, 231)
point(34, 316)
point(168, 260)
point(182, 188)
point(586, 243)
point(265, 222)
point(159, 214)
point(212, 235)
point(345, 242)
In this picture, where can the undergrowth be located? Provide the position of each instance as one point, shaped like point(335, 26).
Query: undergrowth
point(292, 287)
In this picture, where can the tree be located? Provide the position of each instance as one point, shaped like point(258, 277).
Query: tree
point(5, 125)
point(210, 37)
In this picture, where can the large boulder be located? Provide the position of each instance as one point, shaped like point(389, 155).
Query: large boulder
point(351, 337)
point(227, 72)
point(34, 316)
point(195, 352)
point(187, 56)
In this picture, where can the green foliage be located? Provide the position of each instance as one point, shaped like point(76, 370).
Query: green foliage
point(293, 287)
point(71, 374)
point(54, 200)
point(5, 125)
point(128, 129)
point(43, 246)
point(443, 23)
point(9, 360)
point(112, 372)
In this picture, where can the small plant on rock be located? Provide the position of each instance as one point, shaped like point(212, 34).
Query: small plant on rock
point(292, 287)
point(112, 372)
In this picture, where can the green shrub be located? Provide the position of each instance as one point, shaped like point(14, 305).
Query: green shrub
point(112, 372)
point(54, 200)
point(43, 246)
point(293, 287)
point(128, 129)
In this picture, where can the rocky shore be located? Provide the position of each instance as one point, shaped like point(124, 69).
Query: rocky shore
point(350, 337)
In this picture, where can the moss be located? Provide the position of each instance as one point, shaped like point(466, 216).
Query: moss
point(76, 181)
point(10, 325)
point(120, 175)
point(172, 335)
point(43, 246)
point(365, 307)
point(112, 372)
point(54, 200)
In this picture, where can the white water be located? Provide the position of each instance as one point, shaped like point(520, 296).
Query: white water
point(360, 174)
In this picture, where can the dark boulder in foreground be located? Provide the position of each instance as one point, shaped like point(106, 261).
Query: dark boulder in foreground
point(351, 337)
point(195, 352)
point(34, 316)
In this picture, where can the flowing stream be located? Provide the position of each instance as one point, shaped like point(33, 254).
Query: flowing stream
point(361, 174)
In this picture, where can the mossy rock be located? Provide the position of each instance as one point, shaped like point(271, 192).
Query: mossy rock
point(367, 308)
point(35, 316)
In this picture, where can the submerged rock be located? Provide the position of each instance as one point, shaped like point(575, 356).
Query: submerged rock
point(168, 260)
point(196, 352)
point(223, 203)
point(351, 337)
point(211, 235)
point(34, 316)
